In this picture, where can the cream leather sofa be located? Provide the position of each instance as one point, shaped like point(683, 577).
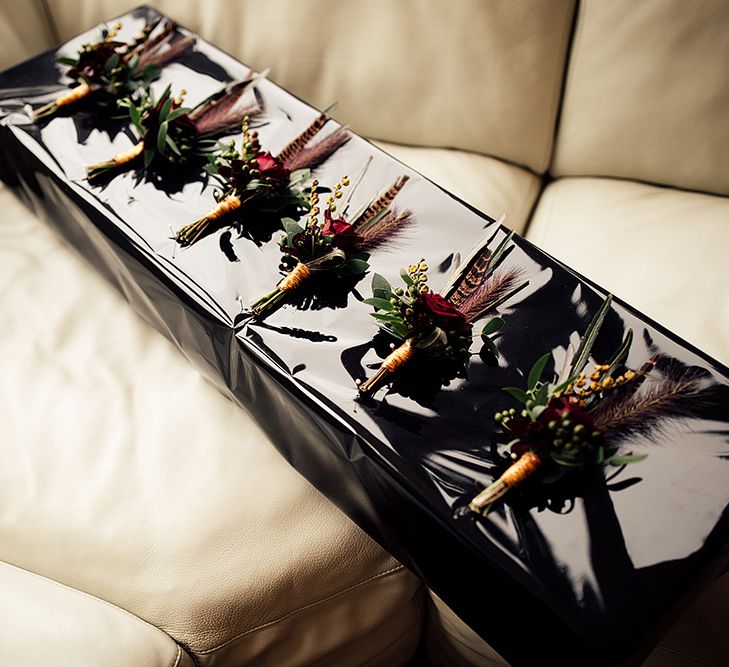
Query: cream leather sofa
point(145, 520)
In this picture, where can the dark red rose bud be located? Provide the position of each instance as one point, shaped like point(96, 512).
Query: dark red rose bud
point(271, 168)
point(445, 314)
point(345, 238)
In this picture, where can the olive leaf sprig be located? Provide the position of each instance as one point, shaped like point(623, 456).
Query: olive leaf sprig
point(109, 70)
point(582, 419)
point(438, 326)
point(168, 132)
point(254, 180)
point(329, 245)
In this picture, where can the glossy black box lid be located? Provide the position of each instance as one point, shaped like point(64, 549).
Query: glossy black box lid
point(591, 577)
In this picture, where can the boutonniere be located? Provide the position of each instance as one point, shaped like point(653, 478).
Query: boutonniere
point(255, 180)
point(582, 418)
point(109, 70)
point(437, 326)
point(169, 132)
point(331, 243)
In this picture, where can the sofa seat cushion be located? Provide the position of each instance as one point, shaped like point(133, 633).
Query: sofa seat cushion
point(664, 251)
point(46, 623)
point(129, 477)
point(488, 184)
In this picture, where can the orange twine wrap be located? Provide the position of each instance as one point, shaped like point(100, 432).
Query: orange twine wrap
point(73, 95)
point(230, 203)
point(127, 156)
point(398, 357)
point(521, 469)
point(297, 276)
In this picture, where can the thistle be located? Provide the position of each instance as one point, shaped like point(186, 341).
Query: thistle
point(329, 244)
point(110, 70)
point(438, 326)
point(168, 132)
point(582, 418)
point(254, 179)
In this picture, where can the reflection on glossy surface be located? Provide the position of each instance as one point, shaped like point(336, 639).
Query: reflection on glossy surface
point(592, 569)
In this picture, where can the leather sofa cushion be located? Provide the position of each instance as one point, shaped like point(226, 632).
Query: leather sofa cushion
point(662, 250)
point(481, 76)
point(46, 623)
point(134, 480)
point(25, 31)
point(490, 185)
point(647, 94)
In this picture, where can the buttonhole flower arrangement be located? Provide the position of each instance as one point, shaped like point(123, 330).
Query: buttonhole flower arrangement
point(330, 245)
point(110, 70)
point(583, 418)
point(254, 180)
point(438, 326)
point(168, 132)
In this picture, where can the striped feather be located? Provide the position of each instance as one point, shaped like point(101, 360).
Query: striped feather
point(295, 147)
point(380, 204)
point(310, 157)
point(225, 110)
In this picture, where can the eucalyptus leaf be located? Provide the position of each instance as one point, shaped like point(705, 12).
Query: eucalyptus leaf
point(626, 459)
point(490, 345)
point(71, 62)
point(519, 394)
point(492, 326)
point(162, 136)
point(406, 278)
point(379, 303)
point(386, 317)
point(357, 265)
point(166, 106)
point(535, 374)
point(380, 287)
point(181, 111)
point(111, 62)
point(173, 147)
point(133, 63)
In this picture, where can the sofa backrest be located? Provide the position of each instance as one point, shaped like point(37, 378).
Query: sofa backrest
point(475, 75)
point(647, 94)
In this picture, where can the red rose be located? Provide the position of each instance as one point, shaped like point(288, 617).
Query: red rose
point(444, 313)
point(345, 238)
point(271, 168)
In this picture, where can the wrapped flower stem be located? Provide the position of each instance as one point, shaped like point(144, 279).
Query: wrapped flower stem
point(254, 178)
point(581, 420)
point(111, 69)
point(329, 244)
point(170, 133)
point(438, 326)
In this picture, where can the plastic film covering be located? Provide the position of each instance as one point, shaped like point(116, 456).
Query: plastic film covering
point(589, 573)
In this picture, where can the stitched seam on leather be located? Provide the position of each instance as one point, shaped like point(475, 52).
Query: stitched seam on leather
point(558, 90)
point(570, 70)
point(683, 654)
point(94, 598)
point(297, 610)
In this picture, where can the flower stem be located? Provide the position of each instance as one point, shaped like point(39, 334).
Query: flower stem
point(71, 97)
point(94, 171)
point(268, 304)
point(514, 475)
point(192, 233)
point(395, 360)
